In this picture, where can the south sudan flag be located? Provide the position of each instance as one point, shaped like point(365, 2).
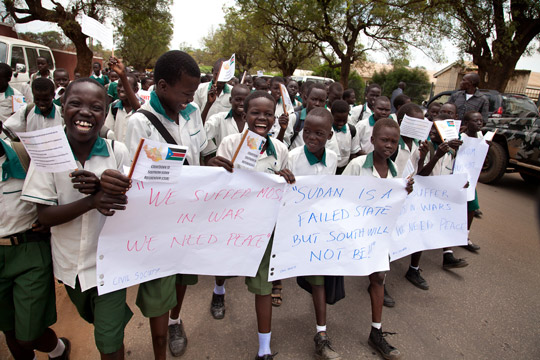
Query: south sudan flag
point(176, 154)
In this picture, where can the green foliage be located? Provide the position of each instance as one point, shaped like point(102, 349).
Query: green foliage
point(52, 39)
point(325, 70)
point(355, 80)
point(145, 32)
point(417, 81)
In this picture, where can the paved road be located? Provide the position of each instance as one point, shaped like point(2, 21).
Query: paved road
point(488, 310)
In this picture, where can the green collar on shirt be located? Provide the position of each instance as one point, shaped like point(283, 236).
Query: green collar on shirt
point(99, 149)
point(9, 92)
point(119, 105)
point(51, 113)
point(371, 120)
point(57, 102)
point(303, 114)
point(226, 88)
point(229, 114)
point(343, 129)
point(156, 105)
point(270, 149)
point(403, 145)
point(369, 164)
point(11, 168)
point(312, 159)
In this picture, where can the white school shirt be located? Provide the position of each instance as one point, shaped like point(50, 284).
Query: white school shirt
point(355, 114)
point(118, 125)
point(364, 130)
point(16, 216)
point(188, 132)
point(221, 125)
point(331, 144)
point(363, 166)
point(6, 103)
point(275, 158)
point(404, 154)
point(35, 120)
point(221, 104)
point(302, 162)
point(74, 244)
point(346, 143)
point(274, 131)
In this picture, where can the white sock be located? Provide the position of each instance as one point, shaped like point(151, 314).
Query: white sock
point(264, 343)
point(321, 328)
point(219, 290)
point(35, 357)
point(376, 325)
point(414, 267)
point(448, 252)
point(174, 321)
point(58, 350)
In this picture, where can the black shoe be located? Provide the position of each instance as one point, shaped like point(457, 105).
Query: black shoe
point(472, 247)
point(217, 307)
point(388, 301)
point(378, 342)
point(67, 350)
point(323, 348)
point(478, 214)
point(266, 357)
point(177, 339)
point(449, 261)
point(416, 279)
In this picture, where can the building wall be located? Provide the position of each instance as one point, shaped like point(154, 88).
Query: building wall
point(68, 61)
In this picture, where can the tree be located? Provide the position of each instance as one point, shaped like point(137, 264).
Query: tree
point(355, 80)
point(52, 39)
point(417, 81)
point(335, 26)
point(34, 10)
point(496, 33)
point(145, 31)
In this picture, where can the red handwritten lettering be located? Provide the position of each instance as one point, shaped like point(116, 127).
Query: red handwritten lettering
point(270, 193)
point(166, 199)
point(241, 240)
point(140, 185)
point(225, 214)
point(223, 194)
point(185, 217)
point(191, 240)
point(145, 244)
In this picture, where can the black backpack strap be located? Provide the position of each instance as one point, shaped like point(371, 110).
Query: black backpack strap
point(114, 109)
point(160, 128)
point(298, 126)
point(352, 128)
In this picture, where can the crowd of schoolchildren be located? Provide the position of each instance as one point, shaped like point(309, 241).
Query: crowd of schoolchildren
point(50, 222)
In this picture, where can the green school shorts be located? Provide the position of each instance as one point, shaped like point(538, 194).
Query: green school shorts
point(27, 297)
point(259, 285)
point(184, 279)
point(473, 204)
point(109, 313)
point(156, 297)
point(315, 280)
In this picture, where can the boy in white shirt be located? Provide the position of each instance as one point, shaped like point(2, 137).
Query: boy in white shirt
point(213, 97)
point(6, 92)
point(381, 110)
point(363, 112)
point(345, 134)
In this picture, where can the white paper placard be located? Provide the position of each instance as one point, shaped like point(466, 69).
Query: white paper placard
point(98, 31)
point(211, 223)
point(18, 102)
point(227, 70)
point(335, 225)
point(49, 149)
point(249, 150)
point(159, 162)
point(415, 128)
point(285, 96)
point(433, 216)
point(448, 129)
point(469, 160)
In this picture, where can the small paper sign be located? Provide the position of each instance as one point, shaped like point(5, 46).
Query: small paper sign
point(260, 73)
point(144, 94)
point(227, 70)
point(98, 31)
point(285, 96)
point(18, 102)
point(448, 129)
point(249, 150)
point(415, 128)
point(158, 162)
point(489, 135)
point(49, 149)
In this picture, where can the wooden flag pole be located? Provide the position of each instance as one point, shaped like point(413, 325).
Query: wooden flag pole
point(135, 158)
point(219, 72)
point(283, 100)
point(239, 146)
point(243, 77)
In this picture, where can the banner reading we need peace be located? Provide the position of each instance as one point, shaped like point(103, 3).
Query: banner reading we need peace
point(211, 223)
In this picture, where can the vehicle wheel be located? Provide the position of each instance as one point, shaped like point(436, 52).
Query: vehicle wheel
point(494, 165)
point(531, 179)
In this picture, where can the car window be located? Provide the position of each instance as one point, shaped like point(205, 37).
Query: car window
point(518, 106)
point(47, 55)
point(3, 52)
point(443, 99)
point(31, 55)
point(17, 57)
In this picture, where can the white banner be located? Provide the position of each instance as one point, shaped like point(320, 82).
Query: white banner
point(227, 70)
point(211, 223)
point(336, 225)
point(98, 31)
point(433, 216)
point(469, 160)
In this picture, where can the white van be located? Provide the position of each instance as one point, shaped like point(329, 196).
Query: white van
point(317, 79)
point(22, 57)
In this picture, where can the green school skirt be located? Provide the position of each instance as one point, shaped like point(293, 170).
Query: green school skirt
point(156, 297)
point(184, 279)
point(27, 297)
point(259, 285)
point(109, 313)
point(315, 280)
point(473, 204)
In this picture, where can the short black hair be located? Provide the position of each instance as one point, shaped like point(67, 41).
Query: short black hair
point(96, 63)
point(255, 95)
point(468, 115)
point(335, 86)
point(373, 86)
point(259, 81)
point(6, 70)
point(322, 112)
point(43, 85)
point(474, 78)
point(340, 106)
point(239, 87)
point(278, 79)
point(451, 104)
point(316, 86)
point(61, 70)
point(401, 100)
point(305, 86)
point(441, 117)
point(384, 122)
point(131, 76)
point(173, 64)
point(381, 98)
point(218, 63)
point(348, 93)
point(434, 104)
point(80, 81)
point(409, 109)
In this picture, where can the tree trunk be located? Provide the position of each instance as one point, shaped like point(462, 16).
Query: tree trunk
point(345, 71)
point(494, 76)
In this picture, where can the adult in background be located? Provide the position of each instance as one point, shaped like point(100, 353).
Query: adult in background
point(469, 98)
point(396, 93)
